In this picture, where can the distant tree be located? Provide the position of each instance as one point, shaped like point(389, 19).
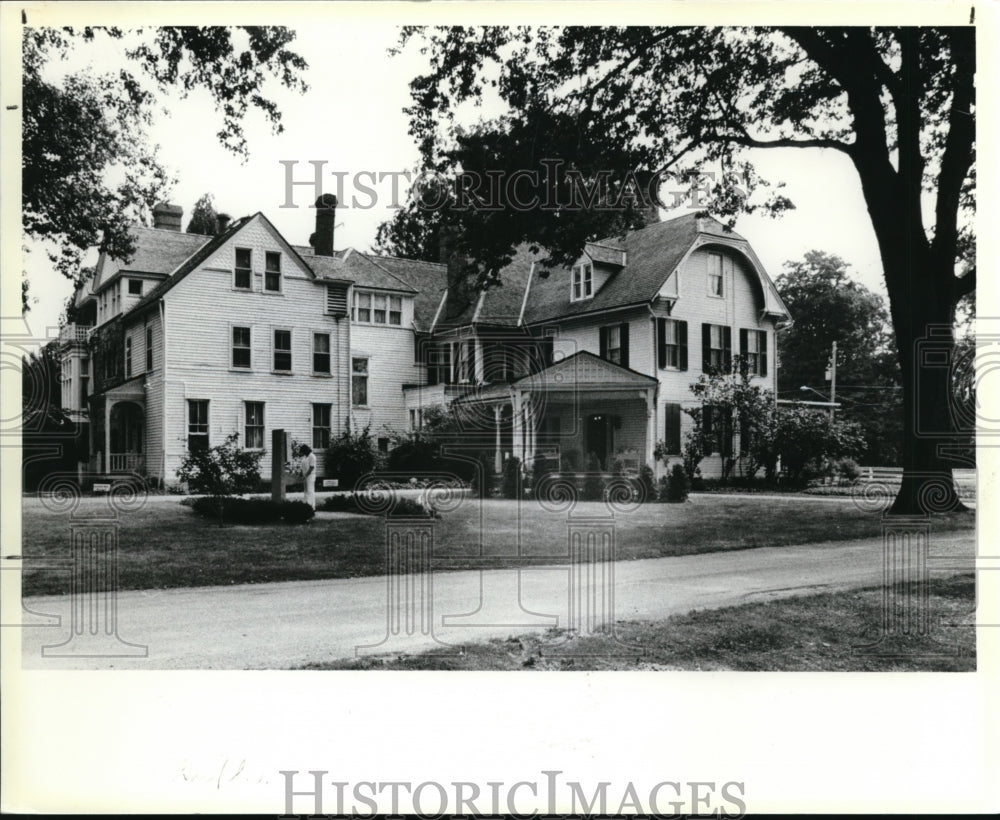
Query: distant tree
point(204, 219)
point(84, 129)
point(828, 306)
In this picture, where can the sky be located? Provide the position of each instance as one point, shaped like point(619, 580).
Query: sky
point(352, 119)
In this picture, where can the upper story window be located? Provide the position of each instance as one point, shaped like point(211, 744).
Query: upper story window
point(135, 287)
point(272, 271)
point(753, 349)
point(583, 281)
point(321, 353)
point(614, 343)
point(128, 357)
point(671, 341)
point(377, 308)
point(243, 272)
point(715, 278)
point(716, 348)
point(241, 347)
point(463, 362)
point(283, 350)
point(359, 382)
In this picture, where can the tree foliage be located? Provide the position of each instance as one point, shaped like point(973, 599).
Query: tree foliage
point(829, 306)
point(88, 168)
point(222, 471)
point(899, 103)
point(204, 219)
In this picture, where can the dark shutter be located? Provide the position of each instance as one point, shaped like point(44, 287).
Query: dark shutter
point(707, 414)
point(682, 345)
point(763, 352)
point(727, 348)
point(624, 344)
point(604, 342)
point(743, 342)
point(706, 348)
point(726, 431)
point(672, 427)
point(661, 343)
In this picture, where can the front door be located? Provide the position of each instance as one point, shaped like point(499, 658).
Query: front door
point(597, 438)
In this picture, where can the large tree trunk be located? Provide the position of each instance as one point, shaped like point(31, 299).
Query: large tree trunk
point(923, 319)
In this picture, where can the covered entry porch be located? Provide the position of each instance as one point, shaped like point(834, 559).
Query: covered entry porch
point(118, 436)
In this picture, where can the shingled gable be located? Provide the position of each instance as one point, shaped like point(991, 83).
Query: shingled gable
point(651, 255)
point(204, 253)
point(585, 369)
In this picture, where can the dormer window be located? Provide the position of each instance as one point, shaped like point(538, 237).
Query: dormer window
point(583, 281)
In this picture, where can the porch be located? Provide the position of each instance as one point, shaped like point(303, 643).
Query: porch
point(118, 435)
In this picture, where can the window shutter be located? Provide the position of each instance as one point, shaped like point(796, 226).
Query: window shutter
point(604, 342)
point(682, 345)
point(743, 341)
point(763, 352)
point(661, 343)
point(707, 420)
point(726, 430)
point(672, 427)
point(624, 343)
point(727, 348)
point(706, 348)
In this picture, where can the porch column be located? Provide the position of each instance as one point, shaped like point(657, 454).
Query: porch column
point(498, 457)
point(106, 466)
point(651, 427)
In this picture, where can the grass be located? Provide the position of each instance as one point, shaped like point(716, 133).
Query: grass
point(803, 634)
point(165, 545)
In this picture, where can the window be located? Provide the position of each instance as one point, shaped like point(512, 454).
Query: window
point(321, 353)
point(416, 420)
point(672, 428)
point(671, 337)
point(135, 287)
point(359, 381)
point(362, 306)
point(614, 343)
point(715, 274)
point(254, 430)
point(462, 362)
point(716, 348)
point(378, 314)
point(583, 281)
point(283, 350)
point(243, 275)
point(753, 349)
point(197, 425)
point(321, 426)
point(395, 310)
point(383, 445)
point(128, 357)
point(272, 271)
point(149, 349)
point(438, 362)
point(241, 347)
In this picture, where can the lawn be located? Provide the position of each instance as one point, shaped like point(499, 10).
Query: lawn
point(803, 634)
point(165, 545)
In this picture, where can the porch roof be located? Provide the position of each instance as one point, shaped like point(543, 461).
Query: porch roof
point(584, 371)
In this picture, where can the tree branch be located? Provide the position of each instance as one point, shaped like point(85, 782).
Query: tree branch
point(964, 285)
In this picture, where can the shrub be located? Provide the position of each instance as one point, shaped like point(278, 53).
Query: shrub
point(571, 461)
point(541, 466)
point(248, 511)
point(661, 488)
point(848, 470)
point(678, 485)
point(511, 484)
point(647, 483)
point(593, 484)
point(409, 507)
point(296, 512)
point(483, 485)
point(221, 471)
point(352, 455)
point(340, 503)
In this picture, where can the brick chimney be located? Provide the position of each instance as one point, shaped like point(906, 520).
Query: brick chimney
point(326, 214)
point(222, 223)
point(459, 296)
point(167, 217)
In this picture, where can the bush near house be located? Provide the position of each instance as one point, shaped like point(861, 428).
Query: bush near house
point(511, 482)
point(676, 486)
point(221, 471)
point(593, 484)
point(403, 507)
point(352, 455)
point(253, 511)
point(647, 483)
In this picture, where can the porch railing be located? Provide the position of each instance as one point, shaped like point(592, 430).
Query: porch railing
point(74, 333)
point(127, 463)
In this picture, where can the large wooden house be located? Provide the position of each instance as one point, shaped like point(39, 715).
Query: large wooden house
point(198, 337)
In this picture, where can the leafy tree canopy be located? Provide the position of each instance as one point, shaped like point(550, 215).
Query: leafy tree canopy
point(88, 169)
point(204, 219)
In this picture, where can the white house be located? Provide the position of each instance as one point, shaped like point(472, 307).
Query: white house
point(200, 337)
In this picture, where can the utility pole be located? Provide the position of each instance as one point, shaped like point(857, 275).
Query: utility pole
point(832, 373)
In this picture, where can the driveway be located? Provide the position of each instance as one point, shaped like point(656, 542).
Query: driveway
point(285, 625)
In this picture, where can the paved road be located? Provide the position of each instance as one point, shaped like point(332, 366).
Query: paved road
point(285, 625)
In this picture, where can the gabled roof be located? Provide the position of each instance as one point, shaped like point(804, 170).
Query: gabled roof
point(156, 251)
point(585, 369)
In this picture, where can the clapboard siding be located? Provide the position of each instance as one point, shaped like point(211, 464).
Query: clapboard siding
point(199, 352)
point(389, 351)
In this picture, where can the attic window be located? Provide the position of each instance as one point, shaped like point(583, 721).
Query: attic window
point(135, 287)
point(583, 281)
